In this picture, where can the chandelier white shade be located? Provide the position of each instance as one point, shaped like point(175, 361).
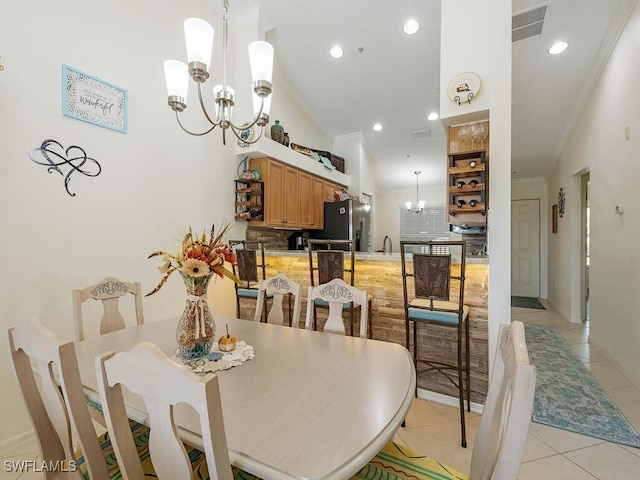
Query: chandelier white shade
point(199, 42)
point(198, 37)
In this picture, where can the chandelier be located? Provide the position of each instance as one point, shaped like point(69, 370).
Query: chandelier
point(419, 203)
point(199, 42)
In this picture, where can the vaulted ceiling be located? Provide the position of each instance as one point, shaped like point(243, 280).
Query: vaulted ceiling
point(388, 77)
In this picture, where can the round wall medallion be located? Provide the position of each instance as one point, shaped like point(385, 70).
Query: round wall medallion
point(464, 87)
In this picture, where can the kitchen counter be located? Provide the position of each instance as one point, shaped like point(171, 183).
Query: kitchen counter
point(376, 256)
point(380, 275)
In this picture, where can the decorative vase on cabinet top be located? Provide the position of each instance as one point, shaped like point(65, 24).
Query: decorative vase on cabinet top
point(277, 132)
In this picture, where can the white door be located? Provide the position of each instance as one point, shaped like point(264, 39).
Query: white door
point(525, 248)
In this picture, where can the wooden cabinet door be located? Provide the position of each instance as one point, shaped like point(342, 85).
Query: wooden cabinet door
point(291, 197)
point(317, 203)
point(274, 189)
point(329, 191)
point(305, 185)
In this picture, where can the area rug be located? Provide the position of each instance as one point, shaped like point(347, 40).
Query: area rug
point(567, 396)
point(526, 302)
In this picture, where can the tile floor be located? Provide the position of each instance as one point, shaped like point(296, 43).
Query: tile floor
point(550, 453)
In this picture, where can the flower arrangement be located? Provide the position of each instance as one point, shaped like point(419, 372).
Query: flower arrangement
point(198, 258)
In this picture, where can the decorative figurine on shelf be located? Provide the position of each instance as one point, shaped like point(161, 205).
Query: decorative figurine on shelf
point(277, 132)
point(286, 139)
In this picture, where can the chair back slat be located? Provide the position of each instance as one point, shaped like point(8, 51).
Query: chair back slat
point(247, 266)
point(338, 294)
point(278, 287)
point(108, 291)
point(431, 276)
point(146, 371)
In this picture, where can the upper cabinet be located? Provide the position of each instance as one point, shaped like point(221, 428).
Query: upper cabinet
point(293, 198)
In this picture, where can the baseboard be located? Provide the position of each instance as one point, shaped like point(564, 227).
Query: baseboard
point(446, 400)
point(18, 438)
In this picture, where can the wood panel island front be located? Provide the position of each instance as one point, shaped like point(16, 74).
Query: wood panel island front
point(380, 274)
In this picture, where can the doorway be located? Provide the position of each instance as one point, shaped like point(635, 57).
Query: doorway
point(585, 234)
point(525, 248)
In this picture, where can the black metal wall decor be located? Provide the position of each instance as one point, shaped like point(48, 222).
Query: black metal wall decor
point(74, 158)
point(561, 202)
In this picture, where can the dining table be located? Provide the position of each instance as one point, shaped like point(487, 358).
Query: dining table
point(308, 405)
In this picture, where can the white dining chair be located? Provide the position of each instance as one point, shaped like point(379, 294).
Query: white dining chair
point(108, 291)
point(339, 295)
point(47, 372)
point(502, 434)
point(277, 287)
point(146, 371)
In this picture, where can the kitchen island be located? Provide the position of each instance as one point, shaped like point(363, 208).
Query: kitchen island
point(380, 275)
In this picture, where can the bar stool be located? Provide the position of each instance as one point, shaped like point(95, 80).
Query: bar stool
point(430, 299)
point(250, 268)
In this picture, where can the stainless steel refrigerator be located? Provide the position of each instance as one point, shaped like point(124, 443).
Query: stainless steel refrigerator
point(346, 220)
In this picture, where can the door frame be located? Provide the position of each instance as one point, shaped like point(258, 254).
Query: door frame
point(531, 189)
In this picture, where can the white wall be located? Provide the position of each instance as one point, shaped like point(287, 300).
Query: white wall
point(598, 145)
point(156, 180)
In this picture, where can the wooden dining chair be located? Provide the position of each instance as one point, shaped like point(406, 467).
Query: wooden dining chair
point(329, 259)
point(146, 371)
point(433, 289)
point(47, 372)
point(338, 295)
point(502, 434)
point(279, 287)
point(251, 269)
point(108, 291)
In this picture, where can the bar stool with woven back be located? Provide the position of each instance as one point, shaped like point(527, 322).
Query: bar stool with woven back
point(432, 299)
point(326, 262)
point(250, 268)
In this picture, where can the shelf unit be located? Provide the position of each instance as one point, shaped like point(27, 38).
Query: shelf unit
point(249, 200)
point(463, 168)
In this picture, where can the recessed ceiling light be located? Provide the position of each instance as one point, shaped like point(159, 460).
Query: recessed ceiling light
point(433, 116)
point(336, 51)
point(377, 127)
point(411, 26)
point(558, 47)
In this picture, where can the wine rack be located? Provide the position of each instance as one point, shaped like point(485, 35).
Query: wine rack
point(467, 188)
point(249, 200)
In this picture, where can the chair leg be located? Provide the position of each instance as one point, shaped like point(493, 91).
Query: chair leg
point(461, 388)
point(315, 316)
point(468, 364)
point(369, 318)
point(237, 306)
point(265, 312)
point(415, 351)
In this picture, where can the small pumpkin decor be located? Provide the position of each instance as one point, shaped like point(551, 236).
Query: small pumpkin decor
point(227, 343)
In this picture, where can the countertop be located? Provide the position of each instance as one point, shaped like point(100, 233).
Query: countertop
point(379, 256)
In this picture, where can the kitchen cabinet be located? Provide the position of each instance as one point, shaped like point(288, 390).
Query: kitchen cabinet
point(311, 201)
point(293, 198)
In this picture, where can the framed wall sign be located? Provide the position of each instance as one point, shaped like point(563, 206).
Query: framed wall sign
point(87, 98)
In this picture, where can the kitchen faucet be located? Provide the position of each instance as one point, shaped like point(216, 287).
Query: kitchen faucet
point(384, 244)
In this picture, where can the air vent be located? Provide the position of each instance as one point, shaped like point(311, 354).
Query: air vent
point(425, 132)
point(527, 24)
